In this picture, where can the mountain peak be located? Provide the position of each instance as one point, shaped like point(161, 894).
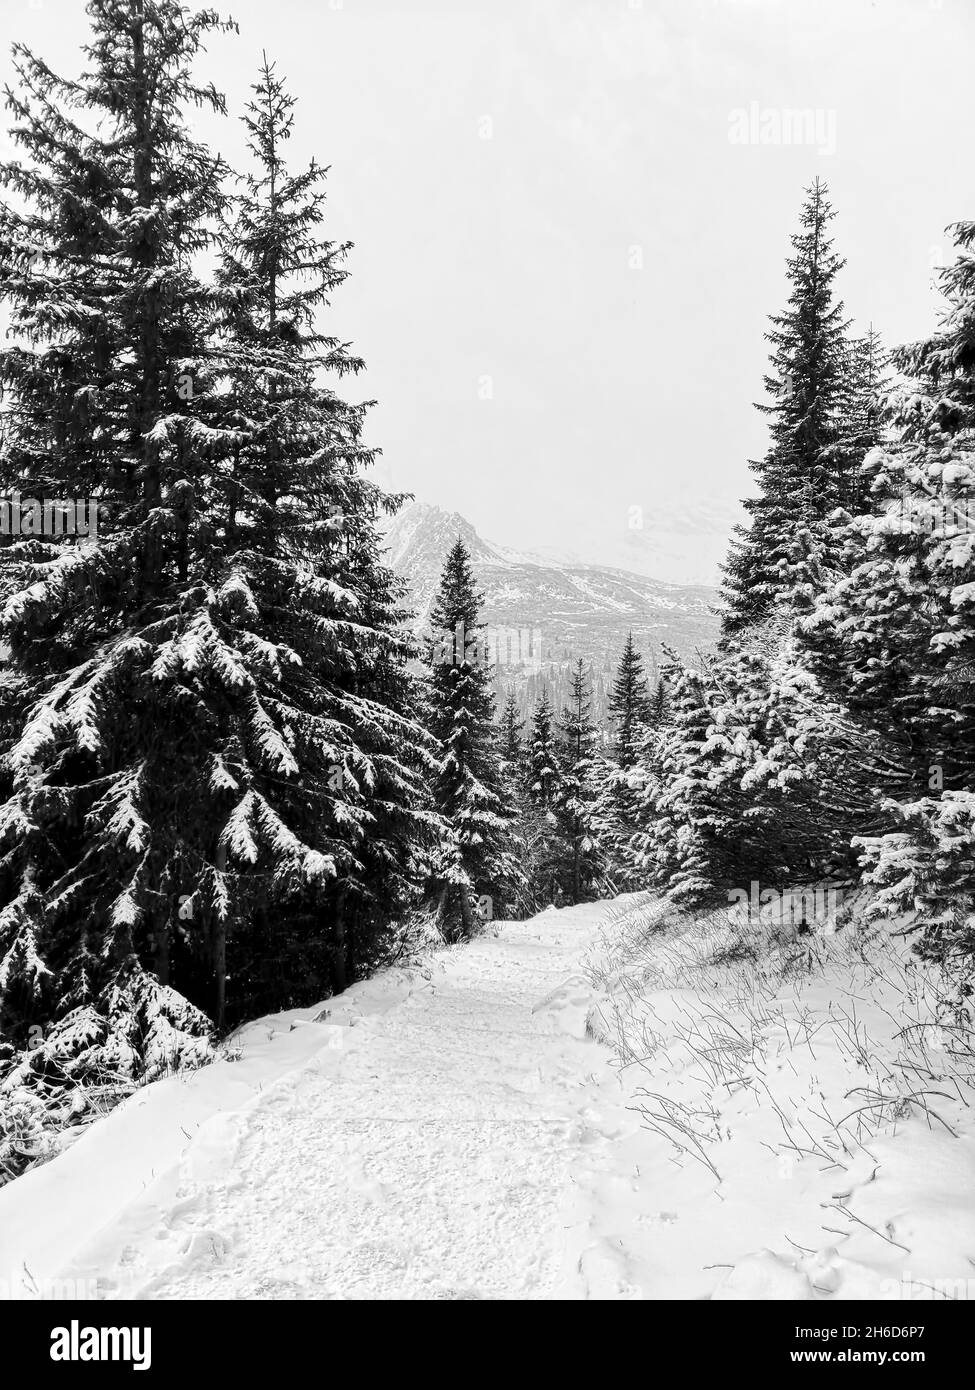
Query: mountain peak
point(424, 532)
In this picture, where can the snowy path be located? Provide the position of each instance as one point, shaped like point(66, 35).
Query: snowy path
point(455, 1132)
point(430, 1153)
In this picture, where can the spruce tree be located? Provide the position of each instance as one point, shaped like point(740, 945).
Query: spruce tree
point(576, 796)
point(299, 515)
point(543, 767)
point(544, 780)
point(528, 837)
point(511, 750)
point(862, 425)
point(658, 707)
point(629, 705)
point(475, 861)
point(619, 778)
point(111, 329)
point(815, 554)
point(802, 477)
point(683, 822)
point(211, 741)
point(757, 775)
point(896, 632)
point(940, 368)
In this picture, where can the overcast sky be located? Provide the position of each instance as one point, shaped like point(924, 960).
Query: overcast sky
point(563, 259)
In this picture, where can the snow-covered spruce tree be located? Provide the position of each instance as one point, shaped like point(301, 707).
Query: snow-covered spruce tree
point(299, 516)
point(926, 869)
point(211, 736)
point(658, 705)
point(756, 776)
point(804, 474)
point(513, 758)
point(475, 860)
point(543, 765)
point(581, 868)
point(862, 425)
point(629, 705)
point(544, 780)
point(816, 553)
point(676, 838)
point(620, 782)
point(511, 748)
point(97, 242)
point(897, 631)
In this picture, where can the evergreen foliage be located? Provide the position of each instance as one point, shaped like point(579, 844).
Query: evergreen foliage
point(475, 862)
point(214, 766)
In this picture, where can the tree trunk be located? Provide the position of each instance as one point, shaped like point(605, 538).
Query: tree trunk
point(161, 933)
point(466, 913)
point(338, 946)
point(219, 937)
point(220, 973)
point(351, 943)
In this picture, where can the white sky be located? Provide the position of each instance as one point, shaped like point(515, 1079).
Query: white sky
point(510, 258)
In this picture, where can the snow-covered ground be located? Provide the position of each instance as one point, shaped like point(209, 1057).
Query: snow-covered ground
point(602, 1102)
point(419, 1142)
point(810, 1110)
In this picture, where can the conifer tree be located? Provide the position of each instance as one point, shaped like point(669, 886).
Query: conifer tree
point(757, 775)
point(940, 390)
point(296, 503)
point(683, 825)
point(619, 777)
point(816, 553)
point(475, 862)
point(512, 751)
point(629, 705)
point(544, 780)
point(658, 708)
point(528, 835)
point(575, 799)
point(542, 758)
point(896, 632)
point(109, 322)
point(863, 425)
point(212, 744)
point(802, 477)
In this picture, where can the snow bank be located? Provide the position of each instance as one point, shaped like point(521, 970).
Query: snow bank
point(52, 1211)
point(806, 1118)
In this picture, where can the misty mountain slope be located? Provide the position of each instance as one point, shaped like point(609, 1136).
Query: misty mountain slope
point(579, 609)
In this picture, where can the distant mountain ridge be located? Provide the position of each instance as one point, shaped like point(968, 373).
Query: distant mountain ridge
point(578, 609)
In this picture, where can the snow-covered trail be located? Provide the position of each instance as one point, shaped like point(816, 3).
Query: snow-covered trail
point(427, 1149)
point(456, 1131)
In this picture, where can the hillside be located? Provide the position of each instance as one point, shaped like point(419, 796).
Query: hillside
point(577, 609)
